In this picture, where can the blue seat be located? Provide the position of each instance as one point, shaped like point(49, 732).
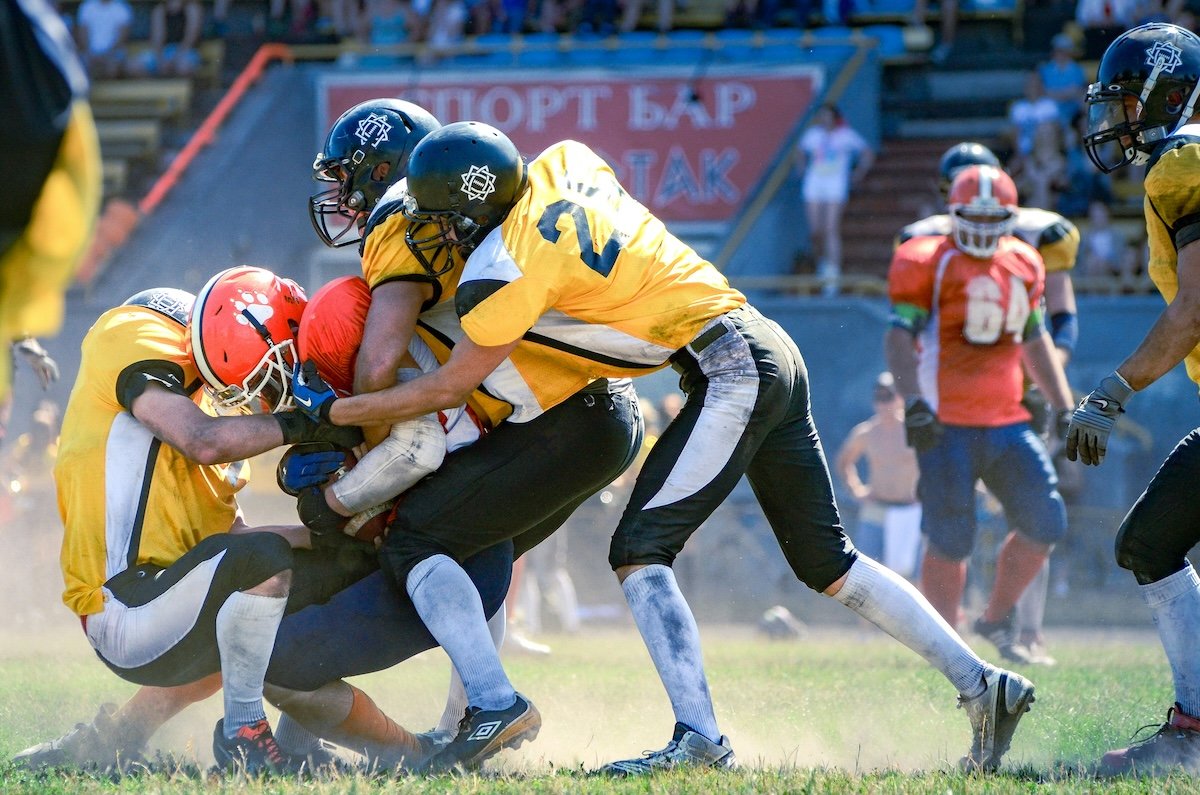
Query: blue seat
point(682, 47)
point(890, 7)
point(541, 49)
point(638, 46)
point(891, 39)
point(735, 45)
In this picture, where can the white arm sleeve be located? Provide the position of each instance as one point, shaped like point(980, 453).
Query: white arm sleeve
point(411, 451)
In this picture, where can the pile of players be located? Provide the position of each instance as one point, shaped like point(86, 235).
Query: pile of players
point(506, 305)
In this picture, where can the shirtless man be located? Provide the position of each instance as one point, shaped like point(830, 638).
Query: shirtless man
point(889, 517)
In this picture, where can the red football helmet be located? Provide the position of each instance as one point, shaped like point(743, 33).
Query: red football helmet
point(331, 330)
point(983, 209)
point(242, 335)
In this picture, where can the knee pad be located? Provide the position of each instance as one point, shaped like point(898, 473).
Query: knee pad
point(1136, 551)
point(257, 557)
point(412, 450)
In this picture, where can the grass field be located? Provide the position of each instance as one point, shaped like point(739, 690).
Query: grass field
point(840, 711)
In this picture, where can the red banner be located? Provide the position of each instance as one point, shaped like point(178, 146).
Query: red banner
point(690, 148)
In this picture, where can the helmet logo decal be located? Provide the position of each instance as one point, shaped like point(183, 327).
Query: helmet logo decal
point(478, 183)
point(255, 305)
point(373, 130)
point(1164, 56)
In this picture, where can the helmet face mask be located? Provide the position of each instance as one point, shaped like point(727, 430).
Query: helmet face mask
point(462, 182)
point(983, 209)
point(435, 238)
point(1147, 86)
point(366, 151)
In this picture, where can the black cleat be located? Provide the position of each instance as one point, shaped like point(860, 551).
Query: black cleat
point(484, 733)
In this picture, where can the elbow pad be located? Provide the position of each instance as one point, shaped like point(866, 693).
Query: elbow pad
point(1064, 330)
point(411, 451)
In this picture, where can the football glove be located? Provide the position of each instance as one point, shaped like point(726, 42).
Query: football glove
point(1094, 418)
point(316, 514)
point(310, 392)
point(922, 429)
point(308, 464)
point(42, 363)
point(298, 427)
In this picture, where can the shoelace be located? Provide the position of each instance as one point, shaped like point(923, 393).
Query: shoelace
point(466, 720)
point(671, 746)
point(1159, 728)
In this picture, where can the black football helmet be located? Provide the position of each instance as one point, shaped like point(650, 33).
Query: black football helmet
point(175, 304)
point(462, 181)
point(958, 157)
point(366, 151)
point(1146, 86)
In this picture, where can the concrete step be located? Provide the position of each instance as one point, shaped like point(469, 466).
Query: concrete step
point(970, 129)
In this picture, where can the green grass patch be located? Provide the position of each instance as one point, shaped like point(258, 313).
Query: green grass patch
point(839, 712)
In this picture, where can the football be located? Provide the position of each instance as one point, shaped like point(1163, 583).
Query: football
point(371, 524)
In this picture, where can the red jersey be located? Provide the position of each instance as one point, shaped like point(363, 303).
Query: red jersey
point(971, 317)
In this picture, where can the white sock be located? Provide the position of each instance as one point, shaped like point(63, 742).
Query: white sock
point(449, 604)
point(673, 640)
point(246, 626)
point(1030, 610)
point(1175, 606)
point(456, 699)
point(891, 603)
point(293, 738)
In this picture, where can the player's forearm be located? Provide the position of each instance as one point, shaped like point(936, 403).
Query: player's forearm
point(1172, 337)
point(1044, 367)
point(901, 355)
point(401, 402)
point(219, 440)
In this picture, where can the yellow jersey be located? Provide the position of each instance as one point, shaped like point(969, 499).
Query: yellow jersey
point(1172, 210)
point(524, 385)
point(587, 278)
point(126, 498)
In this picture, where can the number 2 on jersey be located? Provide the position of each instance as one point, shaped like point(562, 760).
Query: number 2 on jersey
point(599, 261)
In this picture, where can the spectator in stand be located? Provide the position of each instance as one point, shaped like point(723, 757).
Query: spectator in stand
point(631, 13)
point(948, 16)
point(175, 28)
point(831, 157)
point(1064, 79)
point(1102, 21)
point(1084, 183)
point(1027, 114)
point(386, 23)
point(102, 28)
point(445, 27)
point(1043, 172)
point(1105, 250)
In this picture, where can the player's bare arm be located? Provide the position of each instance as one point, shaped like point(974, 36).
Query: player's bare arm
point(901, 353)
point(389, 328)
point(1175, 333)
point(179, 422)
point(854, 448)
point(1060, 299)
point(1044, 367)
point(449, 386)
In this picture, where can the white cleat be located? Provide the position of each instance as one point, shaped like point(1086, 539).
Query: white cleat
point(994, 715)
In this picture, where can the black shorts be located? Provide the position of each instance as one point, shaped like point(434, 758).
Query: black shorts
point(1164, 523)
point(747, 412)
point(519, 482)
point(159, 627)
